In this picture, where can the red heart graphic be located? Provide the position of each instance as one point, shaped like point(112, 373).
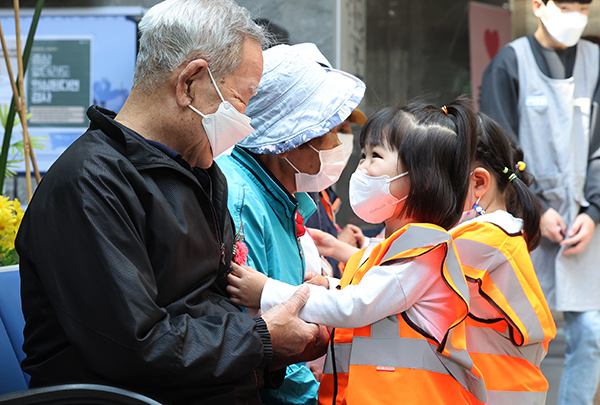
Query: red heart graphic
point(492, 42)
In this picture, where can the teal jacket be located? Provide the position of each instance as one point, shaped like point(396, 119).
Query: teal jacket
point(265, 212)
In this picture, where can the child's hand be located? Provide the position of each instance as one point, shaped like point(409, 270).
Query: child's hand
point(329, 246)
point(326, 243)
point(316, 279)
point(352, 235)
point(245, 286)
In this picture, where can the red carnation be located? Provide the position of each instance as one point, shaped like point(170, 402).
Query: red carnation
point(240, 253)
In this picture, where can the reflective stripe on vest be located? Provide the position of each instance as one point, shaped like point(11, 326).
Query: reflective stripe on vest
point(488, 340)
point(342, 358)
point(522, 397)
point(519, 311)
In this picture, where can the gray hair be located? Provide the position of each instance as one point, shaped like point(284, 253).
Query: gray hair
point(177, 31)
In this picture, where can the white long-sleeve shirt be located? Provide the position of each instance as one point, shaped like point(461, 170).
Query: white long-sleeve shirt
point(415, 287)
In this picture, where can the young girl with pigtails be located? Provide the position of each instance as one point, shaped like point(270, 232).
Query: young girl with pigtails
point(509, 324)
point(398, 310)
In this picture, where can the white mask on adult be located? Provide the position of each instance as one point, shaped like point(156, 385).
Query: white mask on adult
point(565, 28)
point(226, 126)
point(332, 165)
point(370, 196)
point(347, 141)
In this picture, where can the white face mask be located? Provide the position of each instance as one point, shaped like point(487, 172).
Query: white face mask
point(332, 165)
point(370, 196)
point(347, 141)
point(565, 28)
point(225, 127)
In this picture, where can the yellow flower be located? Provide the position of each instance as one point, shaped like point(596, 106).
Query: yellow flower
point(11, 215)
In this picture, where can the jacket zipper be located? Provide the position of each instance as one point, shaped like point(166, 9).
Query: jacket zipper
point(221, 243)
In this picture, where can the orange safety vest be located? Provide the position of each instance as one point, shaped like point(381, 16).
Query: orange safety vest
point(507, 350)
point(394, 361)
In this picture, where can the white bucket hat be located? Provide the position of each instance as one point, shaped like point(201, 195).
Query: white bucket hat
point(300, 97)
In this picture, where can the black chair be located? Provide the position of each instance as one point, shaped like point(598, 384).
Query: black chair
point(66, 394)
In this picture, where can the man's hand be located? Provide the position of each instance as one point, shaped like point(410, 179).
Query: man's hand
point(294, 340)
point(352, 235)
point(579, 235)
point(245, 285)
point(553, 226)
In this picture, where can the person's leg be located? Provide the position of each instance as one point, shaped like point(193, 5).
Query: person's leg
point(582, 358)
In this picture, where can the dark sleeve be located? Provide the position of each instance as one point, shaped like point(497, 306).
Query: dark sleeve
point(592, 181)
point(87, 240)
point(500, 91)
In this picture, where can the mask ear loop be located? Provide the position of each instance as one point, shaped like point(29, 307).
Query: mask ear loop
point(196, 111)
point(215, 83)
point(398, 176)
point(218, 92)
point(478, 208)
point(290, 163)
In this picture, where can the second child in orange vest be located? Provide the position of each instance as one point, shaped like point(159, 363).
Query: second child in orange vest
point(399, 307)
point(509, 324)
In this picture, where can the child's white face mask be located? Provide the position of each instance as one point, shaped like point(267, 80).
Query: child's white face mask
point(370, 197)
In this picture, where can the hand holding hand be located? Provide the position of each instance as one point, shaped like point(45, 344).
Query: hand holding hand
point(290, 335)
point(245, 286)
point(579, 235)
point(553, 226)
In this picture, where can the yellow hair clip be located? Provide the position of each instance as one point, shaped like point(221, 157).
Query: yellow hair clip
point(521, 165)
point(445, 110)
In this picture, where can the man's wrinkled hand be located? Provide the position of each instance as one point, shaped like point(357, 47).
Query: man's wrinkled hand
point(290, 335)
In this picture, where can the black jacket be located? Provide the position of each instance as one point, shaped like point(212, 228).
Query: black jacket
point(124, 255)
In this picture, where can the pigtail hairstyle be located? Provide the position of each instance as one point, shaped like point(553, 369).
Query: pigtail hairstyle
point(497, 153)
point(436, 148)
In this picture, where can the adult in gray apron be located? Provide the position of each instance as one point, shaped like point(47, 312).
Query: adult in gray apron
point(554, 132)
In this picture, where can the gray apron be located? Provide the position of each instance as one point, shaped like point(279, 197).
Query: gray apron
point(554, 132)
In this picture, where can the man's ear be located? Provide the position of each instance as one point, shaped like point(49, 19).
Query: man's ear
point(194, 74)
point(536, 6)
point(480, 181)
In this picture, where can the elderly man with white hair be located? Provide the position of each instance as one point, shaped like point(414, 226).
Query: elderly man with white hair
point(127, 243)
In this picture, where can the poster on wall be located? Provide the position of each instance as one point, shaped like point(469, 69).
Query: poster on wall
point(58, 82)
point(489, 30)
point(79, 57)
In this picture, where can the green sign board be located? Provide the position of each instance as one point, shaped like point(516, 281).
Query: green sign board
point(58, 82)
